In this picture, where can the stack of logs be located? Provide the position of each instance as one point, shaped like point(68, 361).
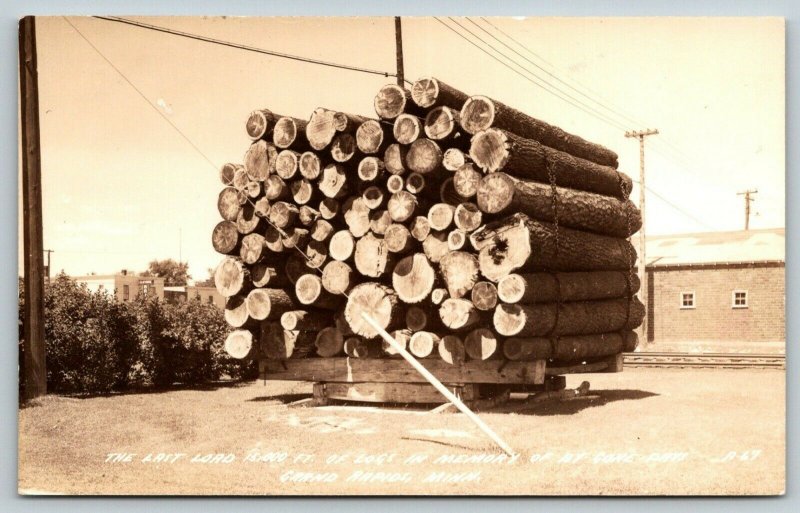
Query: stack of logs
point(464, 227)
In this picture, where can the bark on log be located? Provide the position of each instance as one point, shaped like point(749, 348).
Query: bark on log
point(225, 238)
point(435, 246)
point(238, 344)
point(372, 137)
point(398, 239)
point(420, 228)
point(310, 292)
point(424, 156)
point(229, 202)
point(459, 271)
point(341, 246)
point(459, 314)
point(252, 248)
point(571, 348)
point(413, 278)
point(275, 188)
point(451, 350)
point(231, 277)
point(290, 133)
point(466, 180)
point(468, 217)
point(573, 318)
point(379, 221)
point(448, 194)
point(371, 169)
point(545, 287)
point(344, 148)
point(295, 267)
point(484, 296)
point(440, 216)
point(498, 150)
point(375, 300)
point(337, 277)
point(393, 100)
point(280, 344)
point(423, 344)
point(372, 257)
point(310, 165)
point(264, 275)
point(259, 160)
point(407, 129)
point(260, 124)
point(500, 193)
point(429, 92)
point(333, 183)
point(306, 320)
point(481, 344)
point(265, 304)
point(481, 113)
point(357, 347)
point(287, 164)
point(329, 342)
point(394, 158)
point(236, 312)
point(519, 242)
point(453, 159)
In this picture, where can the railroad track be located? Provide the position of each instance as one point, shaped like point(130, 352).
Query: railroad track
point(706, 360)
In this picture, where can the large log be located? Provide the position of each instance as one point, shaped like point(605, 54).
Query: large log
point(236, 312)
point(373, 137)
point(290, 133)
point(468, 217)
point(570, 348)
point(371, 169)
point(306, 320)
point(329, 342)
point(231, 277)
point(280, 344)
point(519, 242)
point(413, 278)
point(543, 287)
point(238, 344)
point(459, 272)
point(229, 202)
point(500, 193)
point(372, 257)
point(265, 304)
point(260, 124)
point(259, 160)
point(225, 238)
point(325, 124)
point(451, 350)
point(407, 129)
point(394, 158)
point(498, 150)
point(376, 301)
point(481, 344)
point(429, 92)
point(310, 292)
point(424, 157)
point(333, 183)
point(573, 318)
point(337, 277)
point(393, 100)
point(287, 164)
point(459, 314)
point(423, 344)
point(484, 296)
point(480, 113)
point(310, 165)
point(252, 248)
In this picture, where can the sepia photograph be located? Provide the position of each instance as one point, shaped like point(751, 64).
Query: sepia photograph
point(402, 256)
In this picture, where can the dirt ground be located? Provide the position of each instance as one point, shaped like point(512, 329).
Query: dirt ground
point(643, 431)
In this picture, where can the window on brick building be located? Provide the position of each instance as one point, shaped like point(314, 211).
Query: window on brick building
point(739, 299)
point(210, 300)
point(126, 292)
point(687, 299)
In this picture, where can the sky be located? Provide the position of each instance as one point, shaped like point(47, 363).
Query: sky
point(122, 187)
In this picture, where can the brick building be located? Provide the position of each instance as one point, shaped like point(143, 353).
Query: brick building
point(721, 291)
point(125, 286)
point(197, 293)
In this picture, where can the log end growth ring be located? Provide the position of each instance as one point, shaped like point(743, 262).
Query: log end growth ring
point(238, 344)
point(489, 150)
point(425, 91)
point(374, 300)
point(477, 114)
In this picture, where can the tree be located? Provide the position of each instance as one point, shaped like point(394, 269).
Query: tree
point(174, 273)
point(208, 282)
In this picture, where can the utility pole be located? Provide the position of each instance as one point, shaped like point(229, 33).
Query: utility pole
point(641, 134)
point(48, 251)
point(747, 200)
point(398, 37)
point(35, 375)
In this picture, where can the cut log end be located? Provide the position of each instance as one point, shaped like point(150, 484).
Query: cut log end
point(343, 148)
point(391, 101)
point(413, 278)
point(423, 344)
point(341, 245)
point(287, 164)
point(481, 344)
point(489, 150)
point(225, 238)
point(374, 300)
point(238, 344)
point(310, 165)
point(451, 350)
point(337, 277)
point(484, 296)
point(394, 158)
point(477, 114)
point(458, 314)
point(329, 342)
point(453, 159)
point(229, 277)
point(424, 156)
point(370, 168)
point(407, 129)
point(441, 123)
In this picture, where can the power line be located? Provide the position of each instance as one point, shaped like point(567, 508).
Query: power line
point(121, 74)
point(239, 46)
point(588, 109)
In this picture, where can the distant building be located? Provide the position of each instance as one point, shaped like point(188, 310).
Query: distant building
point(207, 295)
point(720, 291)
point(124, 286)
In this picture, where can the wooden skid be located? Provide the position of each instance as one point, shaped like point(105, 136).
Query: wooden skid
point(388, 392)
point(365, 370)
point(611, 363)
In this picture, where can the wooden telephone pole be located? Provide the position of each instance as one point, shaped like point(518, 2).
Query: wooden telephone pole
point(747, 199)
point(641, 134)
point(35, 375)
point(398, 37)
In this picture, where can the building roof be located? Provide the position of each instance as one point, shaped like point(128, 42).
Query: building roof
point(768, 245)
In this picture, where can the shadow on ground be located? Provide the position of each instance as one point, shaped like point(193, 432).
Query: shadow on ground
point(201, 387)
point(592, 399)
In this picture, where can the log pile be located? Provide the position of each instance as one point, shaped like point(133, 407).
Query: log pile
point(464, 227)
